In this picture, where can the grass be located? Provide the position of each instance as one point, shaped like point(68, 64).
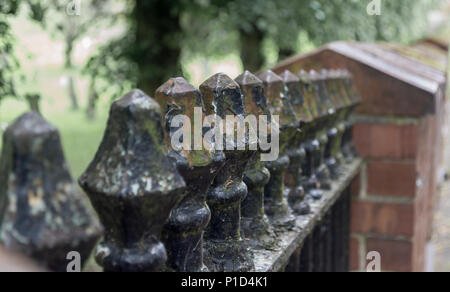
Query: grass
point(80, 137)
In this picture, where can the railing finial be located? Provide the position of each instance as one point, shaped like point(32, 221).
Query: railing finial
point(42, 213)
point(226, 250)
point(296, 151)
point(183, 233)
point(133, 185)
point(254, 223)
point(279, 104)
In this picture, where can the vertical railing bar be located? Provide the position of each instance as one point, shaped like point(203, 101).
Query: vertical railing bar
point(342, 235)
point(294, 262)
point(307, 255)
point(329, 242)
point(339, 235)
point(347, 210)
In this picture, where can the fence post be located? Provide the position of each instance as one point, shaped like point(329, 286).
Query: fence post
point(279, 105)
point(296, 151)
point(42, 213)
point(224, 246)
point(254, 222)
point(183, 233)
point(133, 185)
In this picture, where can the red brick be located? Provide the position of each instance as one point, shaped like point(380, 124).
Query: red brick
point(386, 140)
point(355, 186)
point(396, 255)
point(382, 218)
point(354, 254)
point(391, 178)
point(429, 161)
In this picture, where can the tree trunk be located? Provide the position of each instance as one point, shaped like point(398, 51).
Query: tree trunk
point(158, 43)
point(285, 53)
point(92, 102)
point(71, 82)
point(33, 102)
point(72, 93)
point(251, 49)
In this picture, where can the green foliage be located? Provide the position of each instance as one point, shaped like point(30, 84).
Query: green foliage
point(51, 14)
point(324, 20)
point(212, 28)
point(191, 28)
point(71, 28)
point(112, 69)
point(9, 64)
point(400, 20)
point(150, 49)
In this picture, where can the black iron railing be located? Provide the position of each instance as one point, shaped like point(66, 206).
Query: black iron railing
point(165, 208)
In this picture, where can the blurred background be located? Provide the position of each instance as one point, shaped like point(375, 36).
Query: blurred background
point(70, 59)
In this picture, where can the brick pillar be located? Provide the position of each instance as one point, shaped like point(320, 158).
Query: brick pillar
point(390, 201)
point(398, 132)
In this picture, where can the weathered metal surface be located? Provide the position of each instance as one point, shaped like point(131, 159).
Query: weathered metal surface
point(299, 101)
point(290, 241)
point(311, 145)
point(294, 188)
point(341, 103)
point(321, 125)
point(254, 222)
point(42, 213)
point(309, 94)
point(279, 104)
point(133, 185)
point(183, 233)
point(225, 249)
point(347, 147)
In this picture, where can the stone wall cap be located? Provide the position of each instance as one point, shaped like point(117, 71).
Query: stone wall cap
point(418, 74)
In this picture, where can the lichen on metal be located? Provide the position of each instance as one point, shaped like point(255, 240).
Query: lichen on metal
point(43, 215)
point(295, 191)
point(279, 104)
point(183, 233)
point(133, 185)
point(320, 127)
point(225, 249)
point(348, 150)
point(254, 222)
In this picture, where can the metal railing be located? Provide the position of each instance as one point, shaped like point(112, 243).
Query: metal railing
point(169, 209)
